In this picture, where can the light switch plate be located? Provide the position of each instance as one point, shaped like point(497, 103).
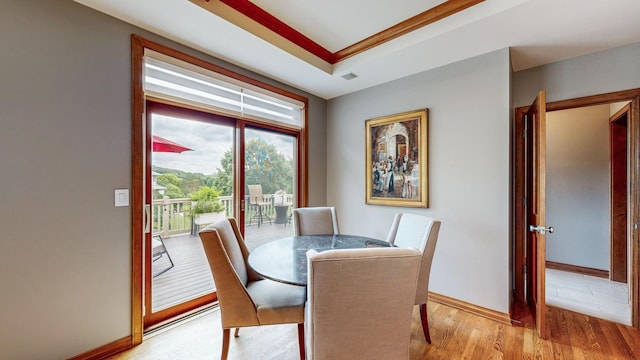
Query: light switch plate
point(122, 197)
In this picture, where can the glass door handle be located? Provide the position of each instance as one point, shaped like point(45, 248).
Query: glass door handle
point(147, 218)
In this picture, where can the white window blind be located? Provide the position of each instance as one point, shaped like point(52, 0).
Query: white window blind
point(209, 89)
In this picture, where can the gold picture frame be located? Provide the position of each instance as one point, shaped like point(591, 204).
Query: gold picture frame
point(396, 160)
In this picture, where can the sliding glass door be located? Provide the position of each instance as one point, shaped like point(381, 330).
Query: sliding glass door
point(204, 127)
point(193, 179)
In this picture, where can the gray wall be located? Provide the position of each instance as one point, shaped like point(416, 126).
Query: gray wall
point(469, 122)
point(597, 73)
point(578, 186)
point(65, 128)
point(65, 145)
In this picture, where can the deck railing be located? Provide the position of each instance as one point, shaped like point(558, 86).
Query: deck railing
point(173, 216)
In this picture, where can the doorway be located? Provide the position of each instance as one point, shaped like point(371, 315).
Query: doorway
point(586, 199)
point(522, 200)
point(193, 180)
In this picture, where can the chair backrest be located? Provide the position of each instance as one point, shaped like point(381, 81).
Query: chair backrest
point(157, 246)
point(356, 307)
point(315, 221)
point(418, 232)
point(227, 255)
point(255, 194)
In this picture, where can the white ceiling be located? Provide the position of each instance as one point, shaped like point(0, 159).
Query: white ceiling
point(537, 31)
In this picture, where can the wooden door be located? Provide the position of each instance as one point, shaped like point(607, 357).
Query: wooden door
point(536, 247)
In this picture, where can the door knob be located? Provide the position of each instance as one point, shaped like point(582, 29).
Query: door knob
point(541, 229)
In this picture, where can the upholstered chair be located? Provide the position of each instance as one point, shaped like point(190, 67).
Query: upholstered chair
point(356, 307)
point(418, 232)
point(245, 298)
point(315, 221)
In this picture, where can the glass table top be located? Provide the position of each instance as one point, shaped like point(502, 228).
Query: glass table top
point(285, 260)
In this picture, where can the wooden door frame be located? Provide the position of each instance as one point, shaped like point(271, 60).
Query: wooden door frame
point(619, 187)
point(519, 220)
point(138, 145)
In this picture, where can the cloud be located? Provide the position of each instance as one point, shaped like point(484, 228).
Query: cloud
point(209, 143)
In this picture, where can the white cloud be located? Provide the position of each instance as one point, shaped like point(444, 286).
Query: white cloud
point(208, 142)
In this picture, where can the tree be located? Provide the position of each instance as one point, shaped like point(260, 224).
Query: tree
point(264, 165)
point(223, 179)
point(171, 183)
point(207, 200)
point(187, 182)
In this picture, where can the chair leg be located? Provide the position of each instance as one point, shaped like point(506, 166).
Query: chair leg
point(425, 322)
point(301, 341)
point(226, 333)
point(262, 215)
point(259, 215)
point(237, 333)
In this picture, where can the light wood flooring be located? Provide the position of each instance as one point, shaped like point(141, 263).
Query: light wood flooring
point(588, 295)
point(455, 334)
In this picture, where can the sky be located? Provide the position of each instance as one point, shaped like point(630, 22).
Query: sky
point(207, 141)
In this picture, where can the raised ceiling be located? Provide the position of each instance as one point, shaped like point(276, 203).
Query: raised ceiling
point(265, 35)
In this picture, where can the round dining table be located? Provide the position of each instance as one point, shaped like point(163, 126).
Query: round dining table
point(285, 260)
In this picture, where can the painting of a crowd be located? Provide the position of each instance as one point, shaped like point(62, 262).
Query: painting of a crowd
point(396, 158)
point(395, 170)
point(387, 178)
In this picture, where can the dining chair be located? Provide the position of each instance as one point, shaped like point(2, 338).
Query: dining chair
point(315, 221)
point(256, 200)
point(418, 232)
point(356, 307)
point(245, 298)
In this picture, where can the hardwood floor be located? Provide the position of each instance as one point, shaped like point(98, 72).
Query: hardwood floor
point(455, 334)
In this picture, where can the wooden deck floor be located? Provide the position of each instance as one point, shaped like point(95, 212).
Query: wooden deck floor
point(191, 277)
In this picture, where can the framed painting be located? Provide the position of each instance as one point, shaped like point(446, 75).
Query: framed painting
point(396, 160)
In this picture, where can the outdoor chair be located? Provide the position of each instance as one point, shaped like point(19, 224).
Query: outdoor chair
point(257, 202)
point(418, 232)
point(158, 249)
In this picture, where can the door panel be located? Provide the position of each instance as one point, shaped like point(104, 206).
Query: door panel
point(189, 153)
point(270, 185)
point(536, 246)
